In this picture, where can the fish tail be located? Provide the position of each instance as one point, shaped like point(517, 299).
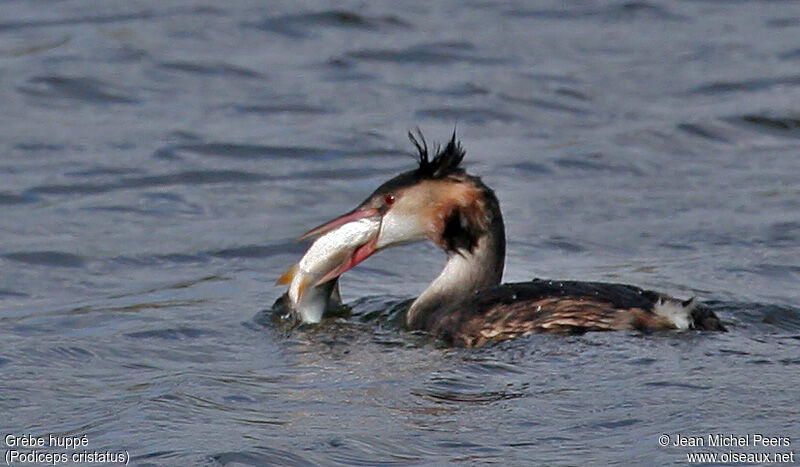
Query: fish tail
point(287, 276)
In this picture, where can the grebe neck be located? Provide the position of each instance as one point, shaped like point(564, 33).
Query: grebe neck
point(465, 273)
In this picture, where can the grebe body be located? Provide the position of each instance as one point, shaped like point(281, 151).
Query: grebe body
point(466, 303)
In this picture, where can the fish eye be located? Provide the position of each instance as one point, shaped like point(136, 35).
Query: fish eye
point(388, 199)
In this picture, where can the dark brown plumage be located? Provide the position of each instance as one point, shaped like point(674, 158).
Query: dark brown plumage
point(517, 309)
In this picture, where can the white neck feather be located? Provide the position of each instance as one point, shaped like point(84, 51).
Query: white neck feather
point(464, 274)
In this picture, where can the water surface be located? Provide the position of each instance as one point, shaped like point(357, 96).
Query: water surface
point(158, 159)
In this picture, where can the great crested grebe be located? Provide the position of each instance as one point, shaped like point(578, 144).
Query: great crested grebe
point(466, 304)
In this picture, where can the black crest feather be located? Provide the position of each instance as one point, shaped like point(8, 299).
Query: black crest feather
point(444, 162)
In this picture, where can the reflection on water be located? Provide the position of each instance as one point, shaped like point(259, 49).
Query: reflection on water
point(159, 160)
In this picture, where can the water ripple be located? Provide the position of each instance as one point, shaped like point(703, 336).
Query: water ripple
point(438, 53)
point(182, 333)
point(748, 85)
point(705, 131)
point(260, 251)
point(474, 115)
point(77, 20)
point(47, 258)
point(84, 89)
point(154, 152)
point(12, 198)
point(11, 293)
point(306, 25)
point(596, 162)
point(677, 384)
point(107, 19)
point(456, 90)
point(374, 450)
point(468, 397)
point(261, 456)
point(194, 177)
point(281, 109)
point(544, 104)
point(222, 69)
point(253, 151)
point(787, 126)
point(624, 11)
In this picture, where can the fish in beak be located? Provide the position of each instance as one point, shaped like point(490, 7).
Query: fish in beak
point(343, 243)
point(348, 240)
point(398, 212)
point(415, 205)
point(382, 221)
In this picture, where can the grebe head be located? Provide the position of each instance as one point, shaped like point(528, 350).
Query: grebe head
point(437, 201)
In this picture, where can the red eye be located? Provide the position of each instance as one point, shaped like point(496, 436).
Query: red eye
point(388, 199)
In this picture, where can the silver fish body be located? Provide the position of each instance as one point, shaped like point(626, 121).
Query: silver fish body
point(312, 288)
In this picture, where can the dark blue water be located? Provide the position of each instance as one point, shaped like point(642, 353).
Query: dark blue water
point(157, 159)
